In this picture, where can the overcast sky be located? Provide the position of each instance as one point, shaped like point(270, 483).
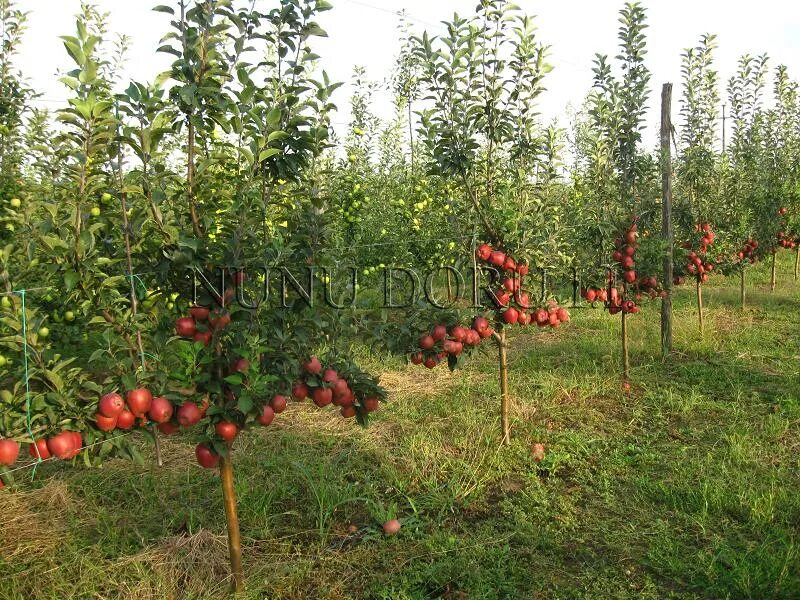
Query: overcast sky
point(365, 32)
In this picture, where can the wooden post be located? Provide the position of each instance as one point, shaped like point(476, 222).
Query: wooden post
point(504, 398)
point(796, 262)
point(773, 280)
point(626, 366)
point(666, 217)
point(700, 304)
point(232, 518)
point(742, 289)
point(575, 287)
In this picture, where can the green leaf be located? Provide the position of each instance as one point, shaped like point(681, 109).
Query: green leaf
point(164, 9)
point(274, 117)
point(71, 279)
point(267, 153)
point(245, 404)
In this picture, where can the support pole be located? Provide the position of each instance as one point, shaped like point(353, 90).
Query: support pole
point(666, 217)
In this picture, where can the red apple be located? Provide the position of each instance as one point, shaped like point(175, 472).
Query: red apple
point(313, 366)
point(267, 415)
point(206, 457)
point(105, 423)
point(189, 414)
point(41, 445)
point(278, 403)
point(226, 430)
point(300, 391)
point(391, 527)
point(9, 452)
point(61, 445)
point(161, 410)
point(185, 327)
point(125, 420)
point(111, 405)
point(139, 401)
point(322, 396)
point(199, 313)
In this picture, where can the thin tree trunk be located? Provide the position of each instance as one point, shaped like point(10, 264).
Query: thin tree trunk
point(449, 286)
point(232, 518)
point(700, 305)
point(410, 134)
point(773, 280)
point(190, 183)
point(504, 397)
point(626, 366)
point(743, 289)
point(797, 262)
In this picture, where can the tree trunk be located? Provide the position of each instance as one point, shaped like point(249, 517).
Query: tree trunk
point(449, 286)
point(773, 274)
point(626, 365)
point(700, 305)
point(742, 289)
point(232, 518)
point(796, 262)
point(504, 398)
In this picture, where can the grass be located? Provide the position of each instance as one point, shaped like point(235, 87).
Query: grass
point(685, 487)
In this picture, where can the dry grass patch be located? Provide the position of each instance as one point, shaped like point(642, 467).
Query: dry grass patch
point(32, 521)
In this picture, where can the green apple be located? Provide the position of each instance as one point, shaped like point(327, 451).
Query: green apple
point(6, 397)
point(16, 202)
point(95, 212)
point(69, 316)
point(105, 198)
point(6, 302)
point(170, 305)
point(44, 332)
point(10, 226)
point(3, 361)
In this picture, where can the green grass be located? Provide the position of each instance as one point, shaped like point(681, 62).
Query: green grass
point(686, 487)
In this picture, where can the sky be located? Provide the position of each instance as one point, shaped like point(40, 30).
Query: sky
point(365, 33)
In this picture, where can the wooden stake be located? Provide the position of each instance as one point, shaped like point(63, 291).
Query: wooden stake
point(504, 398)
point(666, 217)
point(700, 304)
point(796, 262)
point(626, 366)
point(232, 518)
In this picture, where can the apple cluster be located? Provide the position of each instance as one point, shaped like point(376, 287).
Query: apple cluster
point(64, 445)
point(443, 342)
point(698, 263)
point(748, 251)
point(512, 303)
point(203, 322)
